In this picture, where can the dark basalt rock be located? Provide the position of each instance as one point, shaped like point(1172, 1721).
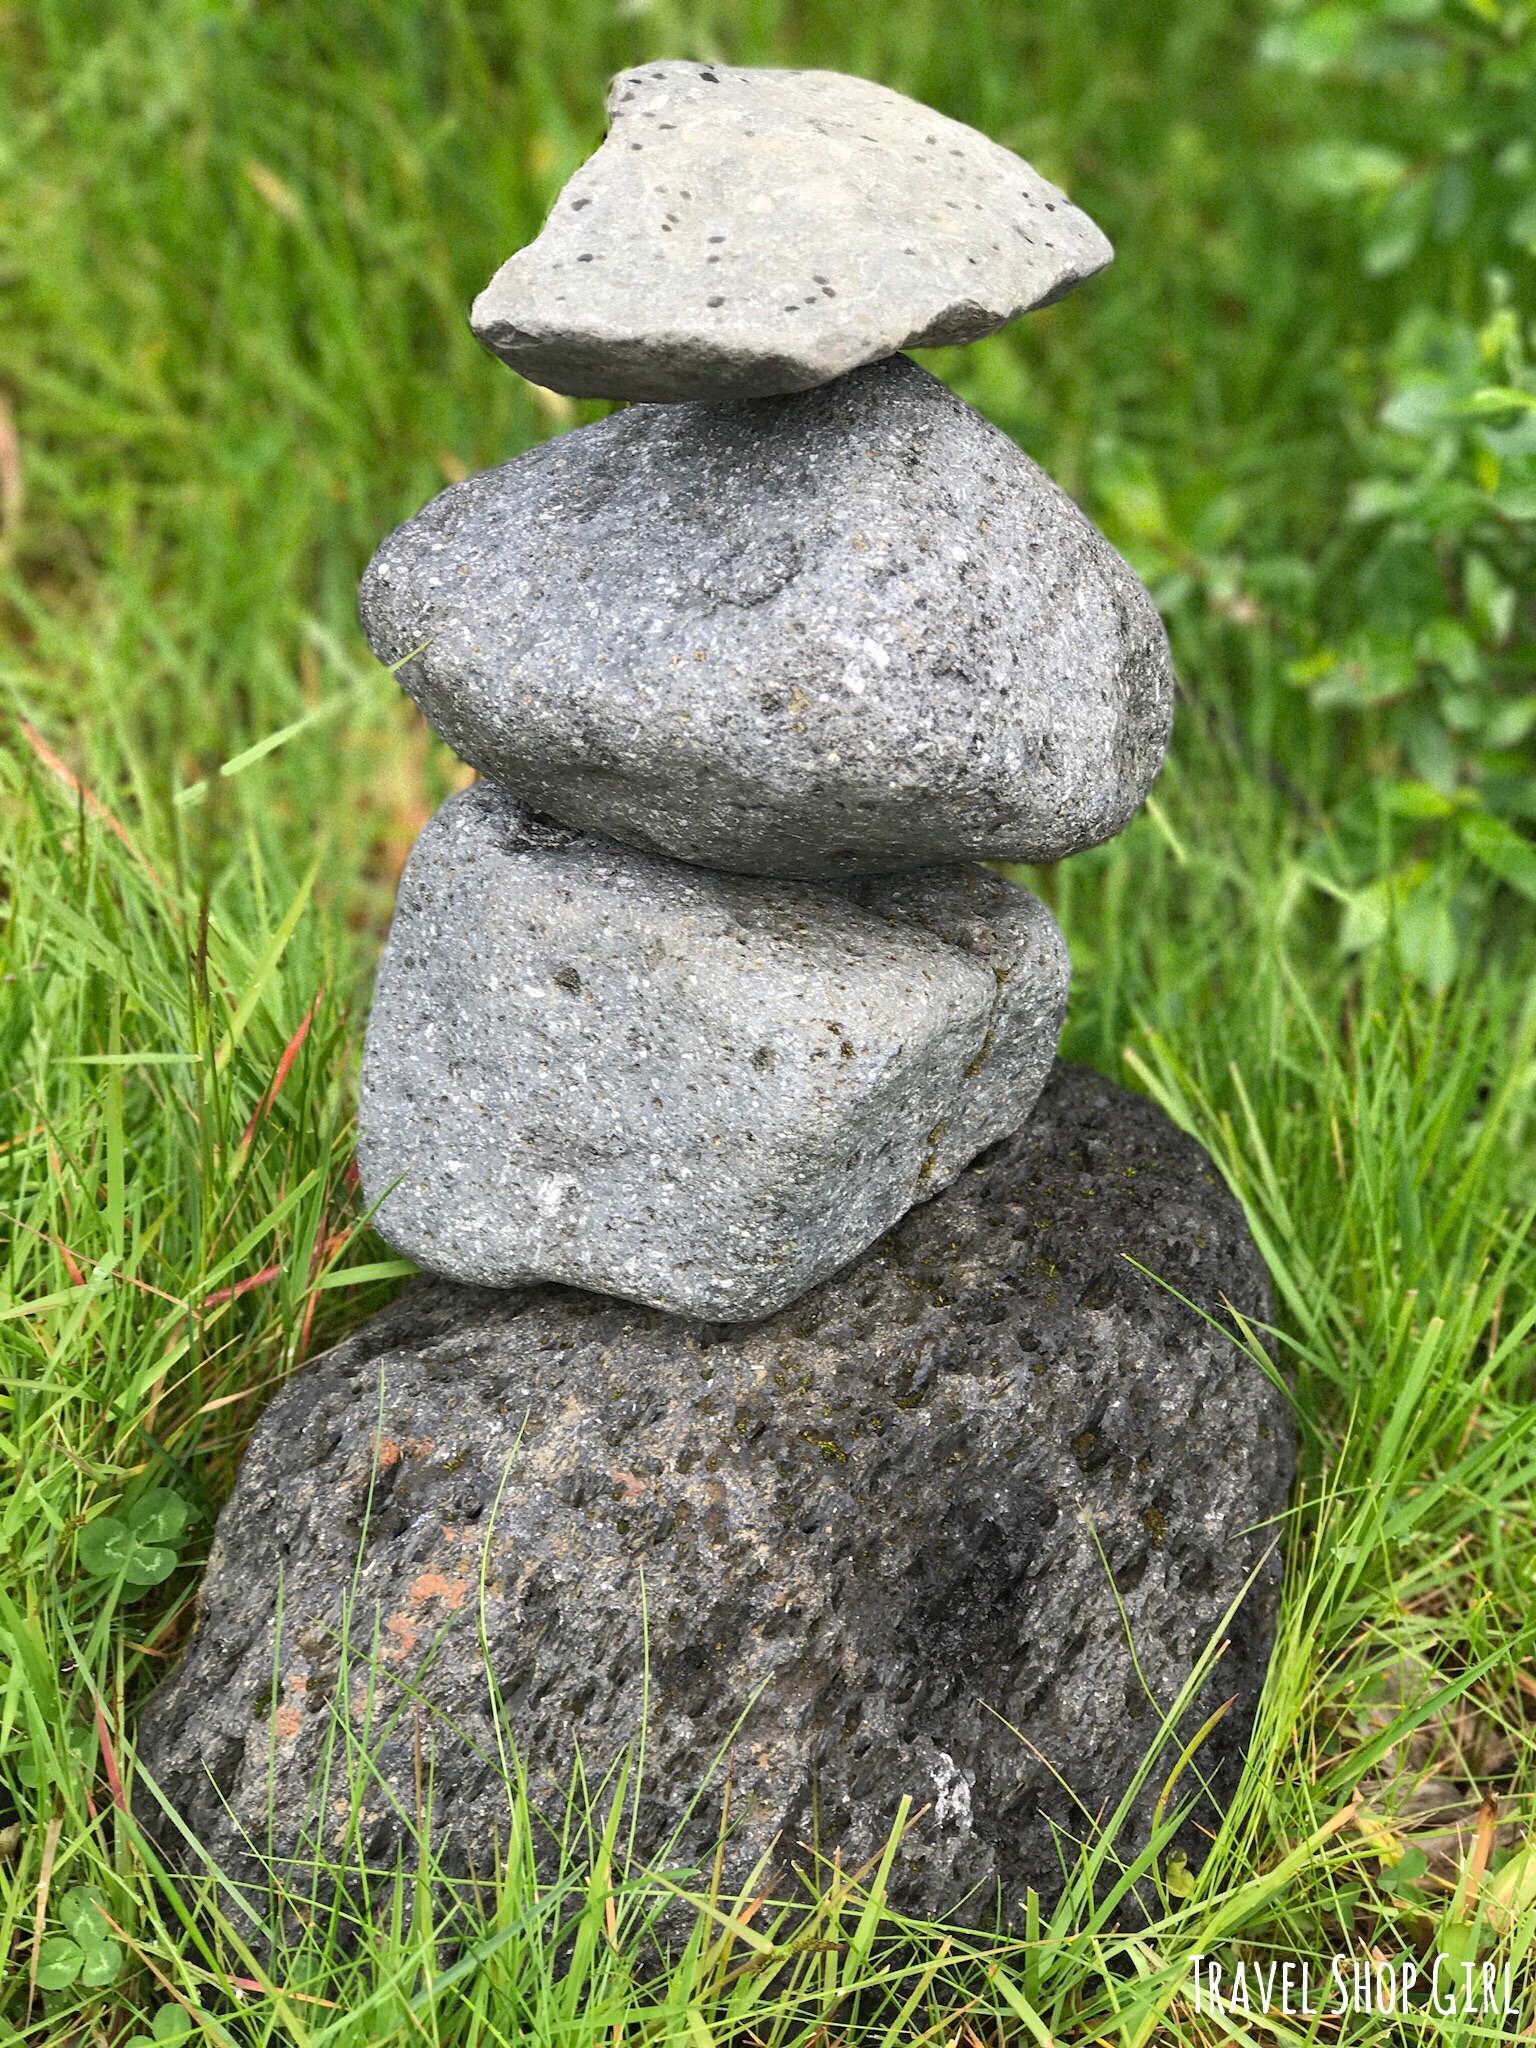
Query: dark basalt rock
point(876, 1530)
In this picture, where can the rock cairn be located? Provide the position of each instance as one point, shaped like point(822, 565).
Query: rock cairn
point(699, 1000)
point(699, 990)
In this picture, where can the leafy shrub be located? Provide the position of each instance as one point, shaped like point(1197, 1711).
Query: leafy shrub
point(1448, 88)
point(1440, 650)
point(1425, 628)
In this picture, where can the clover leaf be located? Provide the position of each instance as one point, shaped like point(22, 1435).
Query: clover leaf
point(159, 1516)
point(87, 1954)
point(100, 1957)
point(170, 2023)
point(58, 1963)
point(138, 1546)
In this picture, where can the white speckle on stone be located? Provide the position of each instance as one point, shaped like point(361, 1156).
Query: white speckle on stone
point(953, 1804)
point(553, 1191)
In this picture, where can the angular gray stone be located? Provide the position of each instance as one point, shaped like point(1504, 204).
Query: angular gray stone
point(701, 1091)
point(854, 630)
point(746, 233)
point(882, 1527)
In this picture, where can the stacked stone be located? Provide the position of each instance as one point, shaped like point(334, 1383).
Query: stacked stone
point(699, 989)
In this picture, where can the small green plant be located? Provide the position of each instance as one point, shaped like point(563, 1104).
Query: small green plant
point(139, 1547)
point(174, 2023)
point(1420, 627)
point(77, 1748)
point(1446, 637)
point(87, 1954)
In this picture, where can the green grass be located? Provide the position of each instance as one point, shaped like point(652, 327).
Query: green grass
point(235, 245)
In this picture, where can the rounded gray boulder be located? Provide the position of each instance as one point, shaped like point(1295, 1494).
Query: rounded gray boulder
point(851, 631)
point(701, 1091)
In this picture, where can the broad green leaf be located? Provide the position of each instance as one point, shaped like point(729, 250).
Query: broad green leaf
point(1501, 398)
point(78, 1746)
point(1381, 498)
point(1422, 406)
point(149, 1565)
point(1511, 1891)
point(1344, 170)
point(103, 1964)
point(1503, 850)
point(59, 1962)
point(80, 1910)
point(1416, 800)
point(105, 1546)
point(1370, 670)
point(1178, 1878)
point(1506, 724)
point(158, 1516)
point(1521, 225)
point(1400, 227)
point(1314, 42)
point(1366, 919)
point(173, 2023)
point(1490, 598)
point(1426, 936)
point(1448, 642)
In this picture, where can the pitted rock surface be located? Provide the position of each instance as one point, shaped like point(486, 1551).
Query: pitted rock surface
point(746, 233)
point(880, 1527)
point(852, 631)
point(701, 1091)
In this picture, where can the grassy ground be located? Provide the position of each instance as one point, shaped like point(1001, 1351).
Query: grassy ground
point(236, 245)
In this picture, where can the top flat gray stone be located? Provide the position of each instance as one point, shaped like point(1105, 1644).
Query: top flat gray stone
point(741, 234)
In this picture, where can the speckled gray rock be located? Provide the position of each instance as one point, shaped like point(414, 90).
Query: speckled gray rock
point(882, 1527)
point(746, 233)
point(701, 1091)
point(854, 630)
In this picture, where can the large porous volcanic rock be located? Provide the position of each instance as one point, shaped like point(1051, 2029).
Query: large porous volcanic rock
point(701, 1091)
point(856, 630)
point(877, 1534)
point(742, 233)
